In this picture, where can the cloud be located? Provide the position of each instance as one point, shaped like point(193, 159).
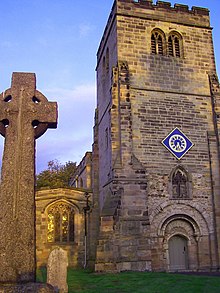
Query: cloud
point(7, 44)
point(74, 135)
point(85, 29)
point(42, 42)
point(82, 92)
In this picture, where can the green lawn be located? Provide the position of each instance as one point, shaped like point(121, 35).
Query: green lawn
point(137, 282)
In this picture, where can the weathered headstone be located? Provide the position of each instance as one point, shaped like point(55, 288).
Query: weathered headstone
point(57, 270)
point(25, 114)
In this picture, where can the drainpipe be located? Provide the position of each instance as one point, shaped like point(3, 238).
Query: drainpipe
point(86, 209)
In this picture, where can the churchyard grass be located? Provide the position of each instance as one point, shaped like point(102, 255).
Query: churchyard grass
point(80, 281)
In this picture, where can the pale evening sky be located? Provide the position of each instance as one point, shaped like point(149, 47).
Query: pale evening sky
point(58, 40)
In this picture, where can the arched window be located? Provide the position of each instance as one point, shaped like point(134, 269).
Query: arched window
point(103, 64)
point(157, 42)
point(180, 185)
point(175, 45)
point(60, 223)
point(81, 182)
point(107, 60)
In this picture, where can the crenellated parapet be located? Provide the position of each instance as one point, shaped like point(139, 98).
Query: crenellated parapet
point(198, 14)
point(167, 5)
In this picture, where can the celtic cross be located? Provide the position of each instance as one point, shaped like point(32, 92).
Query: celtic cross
point(25, 114)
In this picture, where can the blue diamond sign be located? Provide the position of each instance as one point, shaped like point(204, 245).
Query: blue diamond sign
point(177, 143)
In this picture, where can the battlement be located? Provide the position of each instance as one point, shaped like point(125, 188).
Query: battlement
point(149, 4)
point(167, 5)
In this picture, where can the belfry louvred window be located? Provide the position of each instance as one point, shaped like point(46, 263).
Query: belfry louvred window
point(60, 223)
point(157, 43)
point(174, 45)
point(160, 45)
point(170, 47)
point(153, 44)
point(177, 46)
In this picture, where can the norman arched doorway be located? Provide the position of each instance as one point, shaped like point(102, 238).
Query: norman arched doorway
point(178, 253)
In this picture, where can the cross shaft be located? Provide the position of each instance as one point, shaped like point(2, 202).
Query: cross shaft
point(25, 114)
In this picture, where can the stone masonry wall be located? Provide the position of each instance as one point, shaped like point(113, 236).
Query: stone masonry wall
point(75, 251)
point(169, 92)
point(104, 77)
point(150, 96)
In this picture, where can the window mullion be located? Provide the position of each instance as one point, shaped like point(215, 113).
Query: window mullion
point(174, 49)
point(61, 227)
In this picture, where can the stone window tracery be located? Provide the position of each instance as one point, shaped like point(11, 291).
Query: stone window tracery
point(160, 45)
point(180, 186)
point(157, 42)
point(60, 223)
point(174, 45)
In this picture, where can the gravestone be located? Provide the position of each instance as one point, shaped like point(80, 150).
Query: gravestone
point(57, 270)
point(25, 114)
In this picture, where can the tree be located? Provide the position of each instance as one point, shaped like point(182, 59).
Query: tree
point(56, 175)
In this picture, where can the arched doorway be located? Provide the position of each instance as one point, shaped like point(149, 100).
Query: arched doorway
point(178, 253)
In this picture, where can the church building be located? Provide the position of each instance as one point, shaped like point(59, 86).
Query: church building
point(157, 139)
point(155, 181)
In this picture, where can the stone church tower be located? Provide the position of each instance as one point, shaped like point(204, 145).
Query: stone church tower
point(157, 140)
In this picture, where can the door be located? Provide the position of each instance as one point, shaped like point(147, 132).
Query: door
point(178, 253)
